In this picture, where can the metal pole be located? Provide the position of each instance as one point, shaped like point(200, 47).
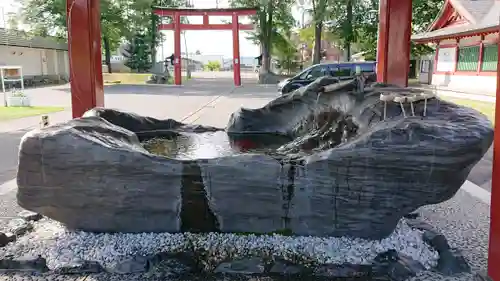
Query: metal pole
point(3, 87)
point(2, 10)
point(303, 17)
point(188, 71)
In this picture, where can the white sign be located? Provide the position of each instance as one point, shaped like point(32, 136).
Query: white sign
point(446, 59)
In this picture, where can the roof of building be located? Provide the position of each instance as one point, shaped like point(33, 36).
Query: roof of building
point(18, 38)
point(461, 18)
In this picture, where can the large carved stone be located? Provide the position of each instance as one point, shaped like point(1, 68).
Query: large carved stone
point(326, 162)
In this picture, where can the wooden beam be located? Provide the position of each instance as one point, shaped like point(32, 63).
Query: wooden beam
point(393, 53)
point(222, 26)
point(162, 12)
point(84, 51)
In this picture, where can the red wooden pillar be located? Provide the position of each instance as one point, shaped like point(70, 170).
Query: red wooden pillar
point(177, 49)
point(236, 50)
point(494, 246)
point(393, 54)
point(84, 51)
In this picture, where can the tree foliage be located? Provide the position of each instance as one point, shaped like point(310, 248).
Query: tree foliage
point(285, 51)
point(272, 17)
point(138, 53)
point(362, 29)
point(121, 20)
point(423, 14)
point(321, 10)
point(213, 66)
point(306, 36)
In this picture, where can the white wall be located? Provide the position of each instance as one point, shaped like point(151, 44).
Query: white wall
point(32, 60)
point(446, 59)
point(466, 83)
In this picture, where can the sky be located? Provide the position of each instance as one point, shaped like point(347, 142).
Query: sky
point(208, 42)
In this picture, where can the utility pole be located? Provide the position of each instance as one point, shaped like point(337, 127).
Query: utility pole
point(4, 21)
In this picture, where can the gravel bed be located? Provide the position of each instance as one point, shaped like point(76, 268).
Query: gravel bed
point(61, 247)
point(164, 276)
point(464, 221)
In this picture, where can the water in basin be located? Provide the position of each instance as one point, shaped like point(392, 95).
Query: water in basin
point(209, 145)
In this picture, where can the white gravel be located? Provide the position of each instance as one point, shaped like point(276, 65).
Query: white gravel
point(61, 247)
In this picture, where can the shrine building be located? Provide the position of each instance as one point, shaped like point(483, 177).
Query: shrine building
point(465, 34)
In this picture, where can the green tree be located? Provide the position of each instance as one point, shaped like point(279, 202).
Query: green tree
point(48, 17)
point(343, 16)
point(272, 17)
point(423, 14)
point(213, 66)
point(285, 51)
point(120, 20)
point(320, 10)
point(307, 36)
point(362, 28)
point(138, 54)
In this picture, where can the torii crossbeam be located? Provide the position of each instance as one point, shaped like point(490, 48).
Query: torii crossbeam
point(177, 26)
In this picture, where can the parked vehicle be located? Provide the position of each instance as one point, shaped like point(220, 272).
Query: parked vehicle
point(342, 71)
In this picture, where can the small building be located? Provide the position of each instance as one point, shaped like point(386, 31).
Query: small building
point(40, 57)
point(465, 35)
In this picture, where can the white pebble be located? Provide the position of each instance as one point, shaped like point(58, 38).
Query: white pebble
point(61, 247)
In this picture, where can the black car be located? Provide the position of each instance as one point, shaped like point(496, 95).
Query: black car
point(342, 71)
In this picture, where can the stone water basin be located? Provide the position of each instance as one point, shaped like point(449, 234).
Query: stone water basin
point(209, 145)
point(322, 161)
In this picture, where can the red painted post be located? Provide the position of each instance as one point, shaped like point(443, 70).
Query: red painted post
point(236, 51)
point(394, 39)
point(383, 31)
point(494, 245)
point(84, 51)
point(177, 49)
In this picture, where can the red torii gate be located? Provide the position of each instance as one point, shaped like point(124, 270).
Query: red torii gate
point(177, 27)
point(394, 38)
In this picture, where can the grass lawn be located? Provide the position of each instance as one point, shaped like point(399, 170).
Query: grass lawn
point(130, 78)
point(487, 108)
point(8, 113)
point(125, 78)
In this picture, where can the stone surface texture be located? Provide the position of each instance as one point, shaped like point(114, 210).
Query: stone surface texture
point(365, 172)
point(347, 170)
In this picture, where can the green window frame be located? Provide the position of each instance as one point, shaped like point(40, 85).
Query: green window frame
point(490, 58)
point(468, 58)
